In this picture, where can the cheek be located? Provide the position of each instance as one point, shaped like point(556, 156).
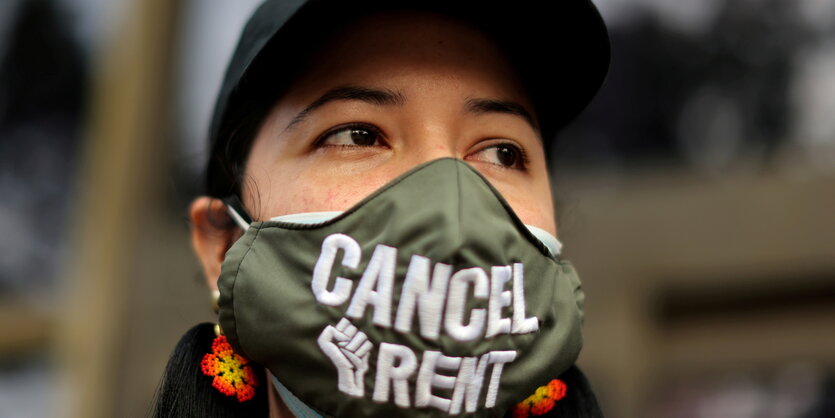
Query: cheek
point(300, 188)
point(284, 178)
point(326, 196)
point(533, 205)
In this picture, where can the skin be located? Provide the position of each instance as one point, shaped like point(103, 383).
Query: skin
point(422, 77)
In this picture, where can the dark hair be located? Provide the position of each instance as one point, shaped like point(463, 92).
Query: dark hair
point(579, 398)
point(275, 69)
point(185, 391)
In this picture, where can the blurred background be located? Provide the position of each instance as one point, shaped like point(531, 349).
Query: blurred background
point(696, 197)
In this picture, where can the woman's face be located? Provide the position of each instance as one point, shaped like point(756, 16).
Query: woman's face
point(389, 93)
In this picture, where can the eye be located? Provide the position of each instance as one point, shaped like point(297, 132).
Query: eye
point(356, 135)
point(505, 155)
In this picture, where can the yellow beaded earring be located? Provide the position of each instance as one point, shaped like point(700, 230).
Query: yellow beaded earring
point(542, 401)
point(233, 376)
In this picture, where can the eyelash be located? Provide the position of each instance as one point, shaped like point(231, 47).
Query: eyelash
point(319, 143)
point(524, 160)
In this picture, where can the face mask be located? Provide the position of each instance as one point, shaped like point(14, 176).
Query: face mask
point(428, 298)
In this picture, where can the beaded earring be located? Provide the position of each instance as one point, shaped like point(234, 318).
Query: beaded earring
point(542, 401)
point(233, 376)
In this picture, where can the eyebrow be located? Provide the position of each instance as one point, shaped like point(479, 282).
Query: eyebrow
point(482, 106)
point(379, 97)
point(387, 97)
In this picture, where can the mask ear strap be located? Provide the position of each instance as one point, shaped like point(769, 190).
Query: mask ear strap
point(237, 211)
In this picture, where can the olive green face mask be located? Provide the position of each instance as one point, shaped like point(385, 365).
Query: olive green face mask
point(428, 298)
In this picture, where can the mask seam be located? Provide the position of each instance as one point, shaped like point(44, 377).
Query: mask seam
point(234, 284)
point(530, 237)
point(458, 202)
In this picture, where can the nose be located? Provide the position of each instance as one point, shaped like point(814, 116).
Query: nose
point(429, 144)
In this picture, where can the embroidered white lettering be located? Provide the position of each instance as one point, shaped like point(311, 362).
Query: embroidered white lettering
point(324, 265)
point(397, 376)
point(521, 325)
point(375, 286)
point(468, 384)
point(416, 290)
point(498, 359)
point(457, 301)
point(429, 378)
point(499, 299)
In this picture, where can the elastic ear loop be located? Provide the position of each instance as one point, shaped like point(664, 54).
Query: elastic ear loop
point(231, 373)
point(236, 210)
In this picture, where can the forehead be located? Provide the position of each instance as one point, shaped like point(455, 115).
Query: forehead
point(397, 46)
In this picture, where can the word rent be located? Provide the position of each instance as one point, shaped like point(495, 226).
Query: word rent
point(438, 297)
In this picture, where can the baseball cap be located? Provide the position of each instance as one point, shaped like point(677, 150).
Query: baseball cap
point(560, 49)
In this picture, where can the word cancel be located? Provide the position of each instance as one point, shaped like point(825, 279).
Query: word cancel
point(437, 298)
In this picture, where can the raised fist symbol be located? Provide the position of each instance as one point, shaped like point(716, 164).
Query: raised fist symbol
point(349, 350)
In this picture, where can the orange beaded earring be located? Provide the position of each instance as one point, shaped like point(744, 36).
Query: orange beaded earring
point(542, 401)
point(233, 376)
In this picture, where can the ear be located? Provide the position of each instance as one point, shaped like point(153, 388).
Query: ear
point(212, 233)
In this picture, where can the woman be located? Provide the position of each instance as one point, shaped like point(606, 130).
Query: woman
point(377, 195)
